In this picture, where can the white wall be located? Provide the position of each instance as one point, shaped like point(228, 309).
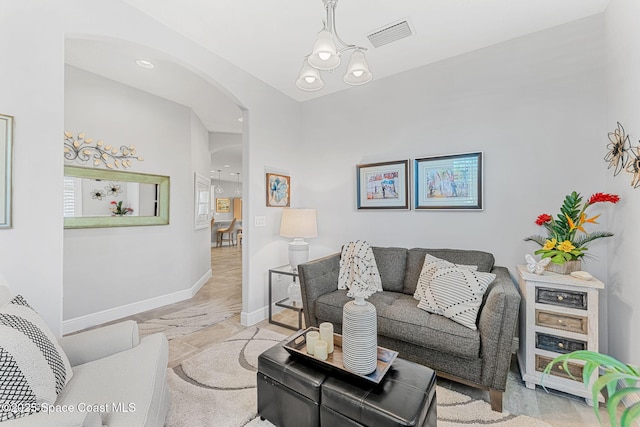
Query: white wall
point(33, 33)
point(31, 252)
point(534, 106)
point(623, 88)
point(108, 268)
point(200, 246)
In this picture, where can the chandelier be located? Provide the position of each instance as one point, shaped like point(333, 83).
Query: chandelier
point(238, 191)
point(219, 188)
point(326, 56)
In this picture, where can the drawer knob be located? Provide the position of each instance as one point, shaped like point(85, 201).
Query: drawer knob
point(560, 345)
point(559, 367)
point(560, 298)
point(560, 321)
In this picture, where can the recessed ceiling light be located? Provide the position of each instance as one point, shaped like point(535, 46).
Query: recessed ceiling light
point(240, 119)
point(227, 166)
point(232, 174)
point(143, 63)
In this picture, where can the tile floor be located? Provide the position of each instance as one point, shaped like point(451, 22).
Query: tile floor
point(557, 409)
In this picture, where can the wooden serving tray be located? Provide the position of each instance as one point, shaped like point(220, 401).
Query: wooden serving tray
point(297, 346)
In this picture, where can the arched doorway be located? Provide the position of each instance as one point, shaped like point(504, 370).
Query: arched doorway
point(188, 107)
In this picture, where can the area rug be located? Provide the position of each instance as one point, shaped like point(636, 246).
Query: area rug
point(217, 388)
point(187, 321)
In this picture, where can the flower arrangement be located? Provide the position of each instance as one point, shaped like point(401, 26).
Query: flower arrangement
point(118, 209)
point(563, 242)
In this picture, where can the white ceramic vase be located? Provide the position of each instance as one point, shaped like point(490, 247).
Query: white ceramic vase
point(359, 337)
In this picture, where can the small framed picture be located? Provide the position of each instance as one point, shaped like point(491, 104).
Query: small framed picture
point(202, 199)
point(383, 185)
point(278, 190)
point(223, 205)
point(451, 182)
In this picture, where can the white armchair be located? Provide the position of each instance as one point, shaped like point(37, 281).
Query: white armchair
point(118, 380)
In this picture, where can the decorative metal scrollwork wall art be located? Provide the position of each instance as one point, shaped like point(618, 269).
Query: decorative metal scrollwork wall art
point(622, 155)
point(85, 149)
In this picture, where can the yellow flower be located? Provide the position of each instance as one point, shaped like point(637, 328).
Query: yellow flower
point(550, 244)
point(583, 220)
point(592, 220)
point(566, 246)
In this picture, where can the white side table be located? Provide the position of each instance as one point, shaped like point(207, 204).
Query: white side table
point(558, 315)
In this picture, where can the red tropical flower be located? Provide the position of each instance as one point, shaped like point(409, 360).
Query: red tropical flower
point(603, 197)
point(543, 219)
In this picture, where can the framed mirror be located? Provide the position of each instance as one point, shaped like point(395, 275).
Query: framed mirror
point(109, 198)
point(6, 161)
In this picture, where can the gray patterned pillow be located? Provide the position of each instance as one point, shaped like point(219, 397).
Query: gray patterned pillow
point(456, 293)
point(33, 366)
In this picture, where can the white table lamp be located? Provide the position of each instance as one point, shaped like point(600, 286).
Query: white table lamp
point(298, 224)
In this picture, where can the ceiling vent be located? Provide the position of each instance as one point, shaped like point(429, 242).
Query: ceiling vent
point(390, 33)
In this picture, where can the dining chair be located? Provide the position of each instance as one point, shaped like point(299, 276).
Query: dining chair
point(229, 231)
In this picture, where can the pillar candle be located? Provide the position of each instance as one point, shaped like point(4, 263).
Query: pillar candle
point(320, 350)
point(326, 335)
point(312, 338)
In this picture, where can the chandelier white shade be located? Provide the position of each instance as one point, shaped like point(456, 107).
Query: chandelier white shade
point(326, 56)
point(309, 78)
point(357, 71)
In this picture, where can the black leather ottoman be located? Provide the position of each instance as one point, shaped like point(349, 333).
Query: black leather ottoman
point(288, 390)
point(406, 397)
point(295, 393)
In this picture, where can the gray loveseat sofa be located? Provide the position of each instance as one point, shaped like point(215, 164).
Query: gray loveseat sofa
point(480, 358)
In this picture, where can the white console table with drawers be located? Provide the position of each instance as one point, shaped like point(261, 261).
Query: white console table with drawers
point(558, 315)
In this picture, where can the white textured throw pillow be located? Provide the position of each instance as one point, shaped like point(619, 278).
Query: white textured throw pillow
point(431, 264)
point(456, 293)
point(33, 366)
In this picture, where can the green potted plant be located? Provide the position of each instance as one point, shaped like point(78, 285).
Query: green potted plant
point(563, 244)
point(613, 373)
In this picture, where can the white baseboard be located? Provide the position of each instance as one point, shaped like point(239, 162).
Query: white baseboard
point(248, 319)
point(200, 283)
point(104, 316)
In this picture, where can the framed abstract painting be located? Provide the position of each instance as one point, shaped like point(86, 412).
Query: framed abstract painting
point(451, 182)
point(383, 185)
point(278, 190)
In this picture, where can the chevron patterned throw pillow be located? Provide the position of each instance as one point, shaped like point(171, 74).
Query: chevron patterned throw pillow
point(33, 366)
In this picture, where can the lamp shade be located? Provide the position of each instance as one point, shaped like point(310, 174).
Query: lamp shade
point(309, 78)
point(298, 223)
point(358, 70)
point(325, 55)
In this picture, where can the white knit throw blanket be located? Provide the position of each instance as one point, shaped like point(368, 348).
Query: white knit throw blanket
point(358, 270)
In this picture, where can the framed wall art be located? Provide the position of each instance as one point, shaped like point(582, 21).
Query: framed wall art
point(223, 205)
point(383, 185)
point(202, 198)
point(449, 182)
point(6, 163)
point(278, 190)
